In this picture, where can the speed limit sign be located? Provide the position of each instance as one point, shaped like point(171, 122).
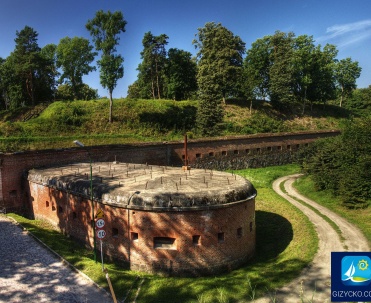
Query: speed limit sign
point(101, 233)
point(100, 223)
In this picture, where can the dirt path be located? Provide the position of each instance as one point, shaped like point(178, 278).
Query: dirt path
point(315, 280)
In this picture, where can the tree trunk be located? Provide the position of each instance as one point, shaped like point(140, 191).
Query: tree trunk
point(110, 106)
point(341, 97)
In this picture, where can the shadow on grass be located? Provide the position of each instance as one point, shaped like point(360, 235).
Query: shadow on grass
point(264, 272)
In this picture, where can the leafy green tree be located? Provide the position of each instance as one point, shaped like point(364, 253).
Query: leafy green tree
point(105, 29)
point(220, 55)
point(342, 164)
point(181, 73)
point(360, 101)
point(219, 67)
point(346, 74)
point(281, 73)
point(304, 50)
point(27, 73)
point(257, 64)
point(151, 76)
point(27, 59)
point(322, 87)
point(74, 56)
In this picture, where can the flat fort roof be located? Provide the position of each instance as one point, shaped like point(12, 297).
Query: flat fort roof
point(146, 186)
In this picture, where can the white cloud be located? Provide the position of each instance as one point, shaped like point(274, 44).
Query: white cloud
point(347, 34)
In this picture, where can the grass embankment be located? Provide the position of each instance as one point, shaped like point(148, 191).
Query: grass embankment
point(359, 217)
point(286, 243)
point(143, 121)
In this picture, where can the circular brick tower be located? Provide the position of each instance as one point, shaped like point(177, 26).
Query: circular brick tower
point(158, 219)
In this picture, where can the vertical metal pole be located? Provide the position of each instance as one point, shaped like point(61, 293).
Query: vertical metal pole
point(92, 209)
point(101, 253)
point(185, 150)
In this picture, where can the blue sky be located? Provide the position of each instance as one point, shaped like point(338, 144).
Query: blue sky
point(345, 23)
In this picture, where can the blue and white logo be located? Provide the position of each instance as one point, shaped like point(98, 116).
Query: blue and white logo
point(356, 271)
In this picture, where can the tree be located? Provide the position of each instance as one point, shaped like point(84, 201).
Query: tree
point(48, 72)
point(105, 29)
point(257, 64)
point(28, 72)
point(281, 73)
point(152, 69)
point(27, 59)
point(304, 49)
point(346, 74)
point(74, 56)
point(322, 86)
point(219, 67)
point(343, 164)
point(181, 73)
point(220, 60)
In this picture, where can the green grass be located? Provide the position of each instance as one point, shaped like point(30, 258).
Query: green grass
point(140, 121)
point(286, 243)
point(358, 217)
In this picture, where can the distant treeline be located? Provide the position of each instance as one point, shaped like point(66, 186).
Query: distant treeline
point(291, 72)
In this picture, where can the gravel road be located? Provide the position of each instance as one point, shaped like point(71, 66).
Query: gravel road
point(31, 273)
point(314, 281)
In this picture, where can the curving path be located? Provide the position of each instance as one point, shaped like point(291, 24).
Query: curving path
point(314, 281)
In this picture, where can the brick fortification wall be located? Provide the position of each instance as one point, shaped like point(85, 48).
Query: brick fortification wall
point(177, 241)
point(222, 153)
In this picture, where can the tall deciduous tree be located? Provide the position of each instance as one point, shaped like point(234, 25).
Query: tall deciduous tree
point(181, 73)
point(152, 68)
point(220, 59)
point(105, 28)
point(74, 56)
point(257, 64)
point(219, 67)
point(346, 74)
point(281, 73)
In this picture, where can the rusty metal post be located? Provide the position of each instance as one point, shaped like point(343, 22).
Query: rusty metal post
point(185, 166)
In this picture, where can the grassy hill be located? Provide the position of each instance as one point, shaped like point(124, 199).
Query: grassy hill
point(144, 121)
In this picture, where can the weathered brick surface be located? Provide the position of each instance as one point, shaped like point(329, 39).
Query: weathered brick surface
point(218, 153)
point(72, 215)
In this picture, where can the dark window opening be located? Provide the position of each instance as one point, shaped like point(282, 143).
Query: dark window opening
point(53, 207)
point(115, 232)
point(183, 157)
point(279, 147)
point(269, 148)
point(198, 155)
point(164, 243)
point(247, 151)
point(220, 237)
point(211, 154)
point(288, 147)
point(47, 203)
point(13, 193)
point(224, 153)
point(236, 152)
point(196, 239)
point(239, 232)
point(74, 215)
point(258, 150)
point(134, 236)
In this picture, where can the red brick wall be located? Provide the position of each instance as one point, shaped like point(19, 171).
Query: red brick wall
point(13, 167)
point(72, 215)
